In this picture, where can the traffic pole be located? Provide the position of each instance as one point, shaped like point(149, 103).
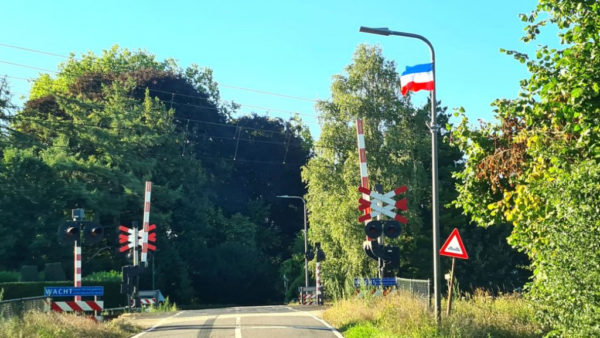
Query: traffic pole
point(77, 215)
point(146, 223)
point(77, 267)
point(450, 288)
point(380, 261)
point(134, 249)
point(318, 283)
point(135, 263)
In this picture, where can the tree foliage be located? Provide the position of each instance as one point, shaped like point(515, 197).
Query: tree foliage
point(398, 144)
point(536, 167)
point(93, 134)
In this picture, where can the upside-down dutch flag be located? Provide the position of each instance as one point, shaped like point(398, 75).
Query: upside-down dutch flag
point(415, 78)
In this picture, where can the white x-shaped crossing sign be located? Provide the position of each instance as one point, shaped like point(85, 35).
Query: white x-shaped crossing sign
point(387, 204)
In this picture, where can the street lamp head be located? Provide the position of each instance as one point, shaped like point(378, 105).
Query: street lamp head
point(379, 31)
point(289, 196)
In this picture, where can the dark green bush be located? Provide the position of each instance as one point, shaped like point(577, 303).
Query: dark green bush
point(29, 273)
point(9, 276)
point(104, 276)
point(54, 272)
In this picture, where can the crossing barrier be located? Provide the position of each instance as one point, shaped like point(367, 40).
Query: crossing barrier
point(77, 306)
point(307, 295)
point(147, 301)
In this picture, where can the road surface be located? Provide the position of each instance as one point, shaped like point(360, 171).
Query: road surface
point(237, 322)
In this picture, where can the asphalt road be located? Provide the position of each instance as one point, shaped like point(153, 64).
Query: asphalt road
point(238, 322)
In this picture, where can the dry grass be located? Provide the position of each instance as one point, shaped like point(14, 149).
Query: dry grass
point(50, 325)
point(402, 315)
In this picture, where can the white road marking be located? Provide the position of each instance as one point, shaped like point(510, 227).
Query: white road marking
point(157, 325)
point(238, 327)
point(238, 321)
point(331, 328)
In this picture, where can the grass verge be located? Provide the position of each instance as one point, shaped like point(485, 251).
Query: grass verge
point(402, 315)
point(49, 325)
point(165, 306)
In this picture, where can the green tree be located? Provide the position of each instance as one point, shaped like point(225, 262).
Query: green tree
point(90, 136)
point(99, 137)
point(397, 145)
point(536, 167)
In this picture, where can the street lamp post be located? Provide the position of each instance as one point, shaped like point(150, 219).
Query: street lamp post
point(434, 164)
point(305, 236)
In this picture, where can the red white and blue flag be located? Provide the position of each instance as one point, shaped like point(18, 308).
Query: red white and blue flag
point(415, 78)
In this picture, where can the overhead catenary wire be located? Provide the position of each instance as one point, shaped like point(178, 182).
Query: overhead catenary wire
point(200, 155)
point(267, 92)
point(28, 66)
point(174, 102)
point(241, 105)
point(290, 112)
point(33, 50)
point(237, 137)
point(227, 125)
point(17, 78)
point(38, 51)
point(224, 124)
point(237, 103)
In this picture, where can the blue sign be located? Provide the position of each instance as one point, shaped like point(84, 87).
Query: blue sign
point(385, 281)
point(69, 291)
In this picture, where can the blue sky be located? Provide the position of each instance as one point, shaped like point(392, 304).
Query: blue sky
point(286, 47)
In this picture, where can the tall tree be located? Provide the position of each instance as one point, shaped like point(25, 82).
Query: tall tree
point(398, 144)
point(396, 141)
point(536, 168)
point(93, 134)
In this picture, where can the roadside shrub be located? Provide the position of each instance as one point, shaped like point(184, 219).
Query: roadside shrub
point(9, 276)
point(54, 272)
point(29, 273)
point(165, 306)
point(52, 324)
point(560, 233)
point(102, 276)
point(404, 315)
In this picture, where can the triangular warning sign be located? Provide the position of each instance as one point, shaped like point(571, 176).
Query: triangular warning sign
point(454, 246)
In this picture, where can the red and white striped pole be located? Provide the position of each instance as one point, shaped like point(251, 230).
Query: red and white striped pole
point(319, 296)
point(77, 268)
point(146, 223)
point(362, 157)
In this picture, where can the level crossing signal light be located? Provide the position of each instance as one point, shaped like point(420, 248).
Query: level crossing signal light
point(373, 229)
point(310, 255)
point(93, 233)
point(68, 232)
point(320, 253)
point(389, 229)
